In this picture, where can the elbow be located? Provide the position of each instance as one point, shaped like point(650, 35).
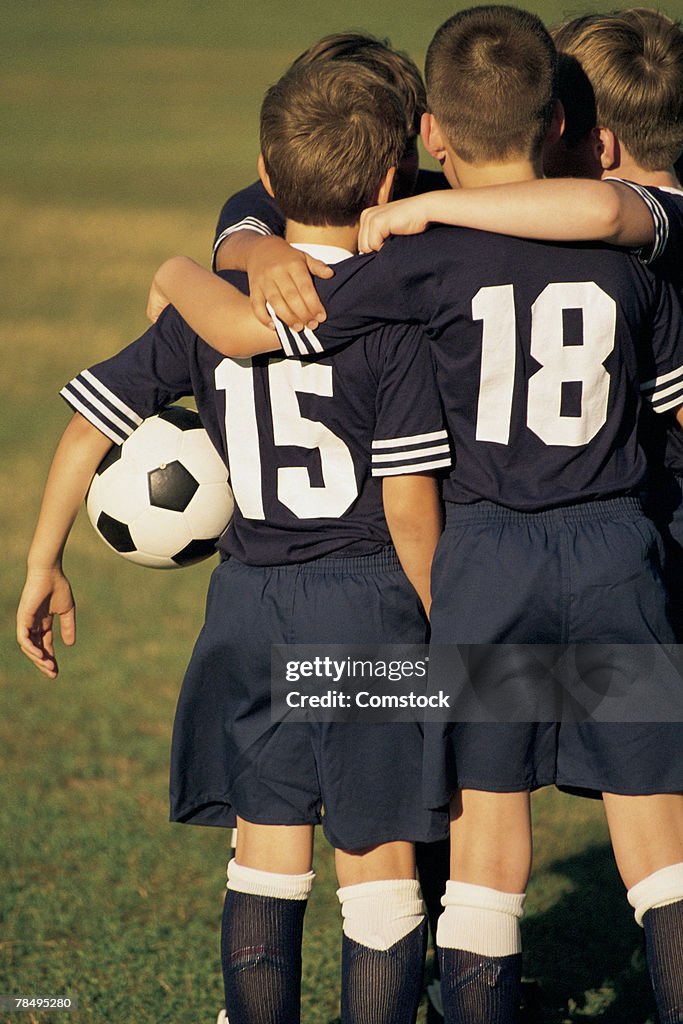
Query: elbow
point(609, 214)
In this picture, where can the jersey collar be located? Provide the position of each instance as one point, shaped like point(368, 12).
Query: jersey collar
point(326, 253)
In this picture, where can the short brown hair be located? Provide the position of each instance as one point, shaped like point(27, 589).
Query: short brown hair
point(330, 131)
point(491, 82)
point(396, 67)
point(634, 60)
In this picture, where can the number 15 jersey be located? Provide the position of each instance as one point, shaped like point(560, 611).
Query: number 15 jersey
point(306, 442)
point(543, 354)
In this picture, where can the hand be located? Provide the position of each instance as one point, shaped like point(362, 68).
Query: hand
point(46, 593)
point(156, 301)
point(281, 275)
point(403, 217)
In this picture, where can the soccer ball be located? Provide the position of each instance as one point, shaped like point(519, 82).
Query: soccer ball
point(162, 498)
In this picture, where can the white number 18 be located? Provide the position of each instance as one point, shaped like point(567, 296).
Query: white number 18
point(560, 363)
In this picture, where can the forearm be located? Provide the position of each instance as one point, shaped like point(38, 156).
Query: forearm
point(219, 313)
point(556, 209)
point(78, 454)
point(234, 251)
point(412, 507)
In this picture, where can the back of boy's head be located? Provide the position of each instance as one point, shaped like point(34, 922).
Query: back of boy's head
point(397, 68)
point(330, 131)
point(491, 83)
point(634, 60)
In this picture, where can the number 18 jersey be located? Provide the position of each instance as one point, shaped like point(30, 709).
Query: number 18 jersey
point(543, 353)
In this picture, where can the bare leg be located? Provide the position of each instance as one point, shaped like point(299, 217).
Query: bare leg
point(378, 863)
point(491, 839)
point(285, 849)
point(646, 833)
point(647, 837)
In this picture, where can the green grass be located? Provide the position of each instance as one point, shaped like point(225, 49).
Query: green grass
point(125, 126)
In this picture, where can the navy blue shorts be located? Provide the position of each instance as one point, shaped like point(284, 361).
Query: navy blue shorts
point(664, 504)
point(587, 573)
point(362, 781)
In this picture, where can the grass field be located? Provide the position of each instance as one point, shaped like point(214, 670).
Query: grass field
point(125, 128)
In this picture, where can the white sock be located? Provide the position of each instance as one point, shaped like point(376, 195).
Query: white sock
point(656, 890)
point(480, 920)
point(269, 883)
point(379, 914)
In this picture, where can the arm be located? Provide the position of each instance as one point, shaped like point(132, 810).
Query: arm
point(552, 209)
point(250, 238)
point(412, 507)
point(278, 274)
point(47, 591)
point(214, 309)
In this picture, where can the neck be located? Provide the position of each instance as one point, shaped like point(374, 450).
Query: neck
point(506, 173)
point(642, 177)
point(629, 169)
point(307, 234)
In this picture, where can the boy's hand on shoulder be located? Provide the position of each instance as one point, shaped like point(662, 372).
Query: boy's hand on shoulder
point(46, 593)
point(402, 217)
point(281, 276)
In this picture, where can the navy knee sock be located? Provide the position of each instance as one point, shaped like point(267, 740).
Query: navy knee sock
point(383, 986)
point(478, 989)
point(664, 949)
point(261, 957)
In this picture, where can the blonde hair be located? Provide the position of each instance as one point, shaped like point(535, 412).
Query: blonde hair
point(634, 61)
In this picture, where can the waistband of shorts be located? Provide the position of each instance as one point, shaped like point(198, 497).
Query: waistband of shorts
point(609, 509)
point(384, 560)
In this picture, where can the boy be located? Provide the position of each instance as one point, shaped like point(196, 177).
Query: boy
point(634, 63)
point(249, 237)
point(309, 562)
point(541, 355)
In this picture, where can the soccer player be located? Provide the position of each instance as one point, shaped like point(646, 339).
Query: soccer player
point(544, 355)
point(633, 62)
point(250, 237)
point(319, 453)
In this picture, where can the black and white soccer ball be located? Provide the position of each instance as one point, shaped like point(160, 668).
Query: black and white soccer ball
point(162, 498)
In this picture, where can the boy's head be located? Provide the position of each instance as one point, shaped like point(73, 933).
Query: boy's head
point(398, 70)
point(377, 54)
point(330, 133)
point(491, 83)
point(634, 60)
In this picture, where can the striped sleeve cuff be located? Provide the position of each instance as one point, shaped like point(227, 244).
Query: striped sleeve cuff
point(417, 454)
point(665, 392)
point(101, 407)
point(661, 222)
point(246, 224)
point(294, 344)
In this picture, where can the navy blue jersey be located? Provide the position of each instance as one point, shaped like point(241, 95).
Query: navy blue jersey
point(306, 442)
point(662, 436)
point(254, 209)
point(542, 354)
